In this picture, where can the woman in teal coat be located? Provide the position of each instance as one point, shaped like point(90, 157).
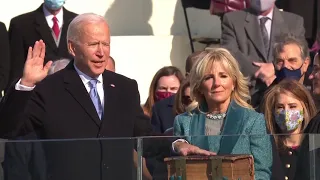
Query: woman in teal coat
point(221, 120)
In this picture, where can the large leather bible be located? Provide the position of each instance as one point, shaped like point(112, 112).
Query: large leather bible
point(231, 167)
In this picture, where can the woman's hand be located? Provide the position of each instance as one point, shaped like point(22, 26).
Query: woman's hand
point(186, 149)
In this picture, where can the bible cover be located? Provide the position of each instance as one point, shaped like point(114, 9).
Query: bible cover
point(231, 167)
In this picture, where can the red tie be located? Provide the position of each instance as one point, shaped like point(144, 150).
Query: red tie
point(55, 27)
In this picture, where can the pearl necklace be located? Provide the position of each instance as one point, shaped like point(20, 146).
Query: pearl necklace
point(216, 116)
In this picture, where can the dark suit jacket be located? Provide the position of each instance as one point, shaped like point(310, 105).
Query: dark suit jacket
point(28, 28)
point(314, 125)
point(277, 167)
point(24, 160)
point(5, 57)
point(308, 164)
point(163, 115)
point(60, 108)
point(161, 120)
point(241, 35)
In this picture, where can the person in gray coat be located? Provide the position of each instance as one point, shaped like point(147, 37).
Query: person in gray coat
point(250, 34)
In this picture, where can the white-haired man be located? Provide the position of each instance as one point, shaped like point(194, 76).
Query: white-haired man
point(81, 101)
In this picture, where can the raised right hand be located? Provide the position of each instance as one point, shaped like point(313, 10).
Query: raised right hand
point(186, 149)
point(34, 71)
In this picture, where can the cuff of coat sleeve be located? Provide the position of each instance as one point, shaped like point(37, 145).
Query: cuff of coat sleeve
point(178, 140)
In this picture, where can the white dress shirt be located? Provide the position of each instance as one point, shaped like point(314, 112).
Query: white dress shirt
point(49, 17)
point(268, 23)
point(85, 80)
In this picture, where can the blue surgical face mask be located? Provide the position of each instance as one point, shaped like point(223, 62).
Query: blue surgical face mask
point(285, 73)
point(54, 4)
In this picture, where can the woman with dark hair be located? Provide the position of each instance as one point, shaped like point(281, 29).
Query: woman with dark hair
point(164, 84)
point(183, 100)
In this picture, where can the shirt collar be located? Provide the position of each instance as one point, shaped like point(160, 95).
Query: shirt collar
point(85, 78)
point(49, 16)
point(269, 15)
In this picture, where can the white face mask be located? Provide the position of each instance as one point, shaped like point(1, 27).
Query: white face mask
point(261, 5)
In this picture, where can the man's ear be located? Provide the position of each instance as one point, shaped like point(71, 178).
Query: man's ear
point(307, 61)
point(71, 48)
point(306, 64)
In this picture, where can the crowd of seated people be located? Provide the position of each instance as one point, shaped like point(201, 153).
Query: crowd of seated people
point(257, 94)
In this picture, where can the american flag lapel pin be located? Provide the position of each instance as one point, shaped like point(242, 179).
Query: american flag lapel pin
point(112, 85)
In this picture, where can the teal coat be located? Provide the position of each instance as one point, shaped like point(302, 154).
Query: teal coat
point(244, 132)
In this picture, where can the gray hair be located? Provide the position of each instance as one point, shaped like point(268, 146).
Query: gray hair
point(286, 39)
point(76, 25)
point(58, 65)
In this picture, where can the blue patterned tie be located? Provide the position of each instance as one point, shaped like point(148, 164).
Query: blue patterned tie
point(95, 96)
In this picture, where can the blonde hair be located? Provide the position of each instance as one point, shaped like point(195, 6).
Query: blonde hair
point(294, 89)
point(240, 94)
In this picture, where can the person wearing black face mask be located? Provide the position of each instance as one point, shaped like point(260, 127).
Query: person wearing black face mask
point(292, 60)
point(250, 34)
point(288, 73)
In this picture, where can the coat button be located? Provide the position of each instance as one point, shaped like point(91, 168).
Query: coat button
point(286, 178)
point(288, 166)
point(290, 153)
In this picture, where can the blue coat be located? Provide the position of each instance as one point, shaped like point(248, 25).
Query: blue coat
point(244, 132)
point(163, 115)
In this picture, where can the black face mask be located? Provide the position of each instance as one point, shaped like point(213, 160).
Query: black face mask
point(285, 73)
